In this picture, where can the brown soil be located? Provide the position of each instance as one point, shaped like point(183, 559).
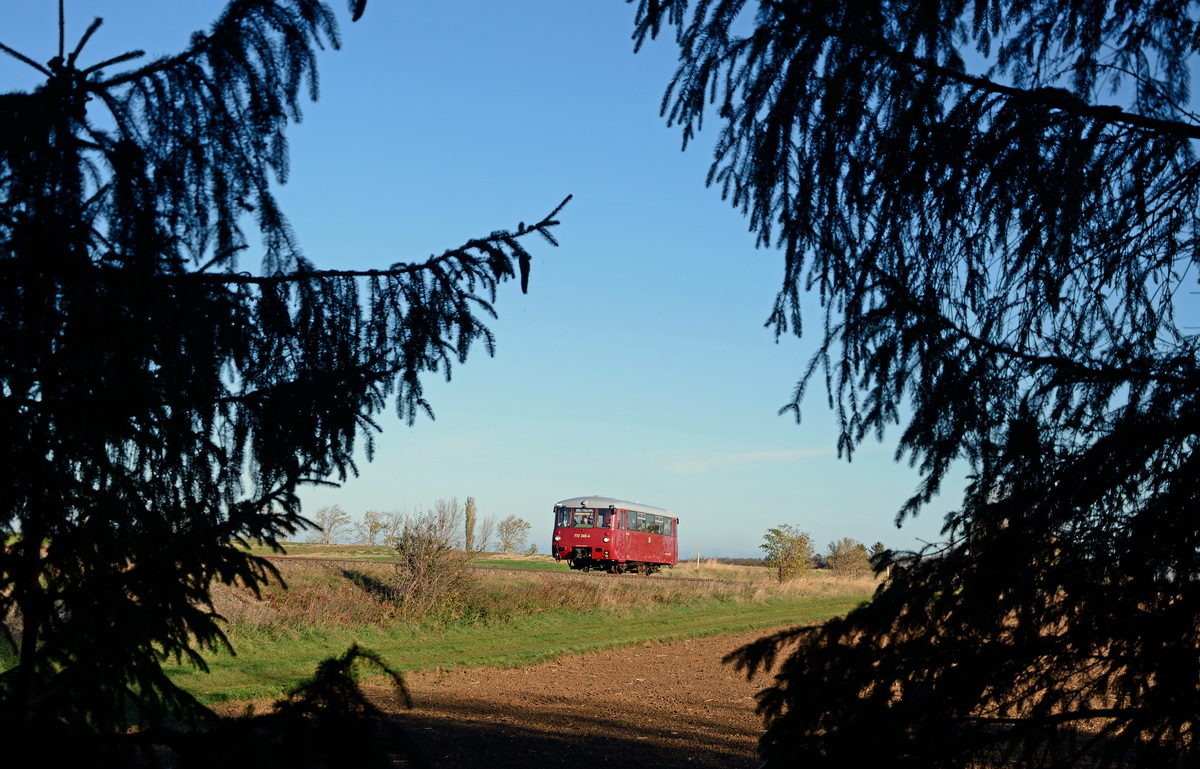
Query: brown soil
point(651, 706)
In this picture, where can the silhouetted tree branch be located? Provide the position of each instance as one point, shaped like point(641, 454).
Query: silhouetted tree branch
point(161, 405)
point(995, 206)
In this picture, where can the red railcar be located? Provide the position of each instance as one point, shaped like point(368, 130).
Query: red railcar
point(614, 535)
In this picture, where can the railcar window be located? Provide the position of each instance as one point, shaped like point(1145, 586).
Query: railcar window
point(602, 518)
point(564, 516)
point(584, 517)
point(669, 527)
point(654, 524)
point(641, 523)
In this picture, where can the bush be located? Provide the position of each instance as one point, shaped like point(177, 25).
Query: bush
point(848, 558)
point(788, 551)
point(429, 572)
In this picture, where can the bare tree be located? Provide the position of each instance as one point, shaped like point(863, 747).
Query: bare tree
point(332, 522)
point(448, 517)
point(393, 526)
point(371, 528)
point(487, 529)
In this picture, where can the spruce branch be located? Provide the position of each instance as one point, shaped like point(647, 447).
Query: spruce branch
point(462, 253)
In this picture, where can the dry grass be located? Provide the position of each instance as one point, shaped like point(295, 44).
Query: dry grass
point(815, 582)
point(329, 595)
point(318, 595)
point(711, 569)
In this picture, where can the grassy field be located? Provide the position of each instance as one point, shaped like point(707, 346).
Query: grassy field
point(264, 666)
point(526, 562)
point(507, 617)
point(331, 552)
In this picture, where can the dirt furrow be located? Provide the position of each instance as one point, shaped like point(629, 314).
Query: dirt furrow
point(651, 706)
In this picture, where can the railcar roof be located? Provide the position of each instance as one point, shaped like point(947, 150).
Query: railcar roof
point(620, 504)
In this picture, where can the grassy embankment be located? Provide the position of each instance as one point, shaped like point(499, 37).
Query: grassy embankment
point(508, 617)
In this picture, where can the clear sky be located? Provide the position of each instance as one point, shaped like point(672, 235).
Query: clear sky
point(638, 365)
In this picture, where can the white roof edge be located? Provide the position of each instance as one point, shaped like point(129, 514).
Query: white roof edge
point(620, 504)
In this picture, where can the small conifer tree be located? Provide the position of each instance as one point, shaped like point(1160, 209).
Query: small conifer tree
point(166, 385)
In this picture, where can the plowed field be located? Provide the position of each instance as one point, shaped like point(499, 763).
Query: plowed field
point(651, 706)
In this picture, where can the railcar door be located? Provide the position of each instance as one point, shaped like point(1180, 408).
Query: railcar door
point(641, 542)
point(660, 527)
point(670, 541)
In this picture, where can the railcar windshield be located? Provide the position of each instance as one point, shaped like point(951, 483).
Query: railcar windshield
point(583, 517)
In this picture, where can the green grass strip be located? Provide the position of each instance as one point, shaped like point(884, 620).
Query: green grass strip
point(265, 667)
point(500, 563)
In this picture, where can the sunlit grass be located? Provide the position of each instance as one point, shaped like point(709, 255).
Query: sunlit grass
point(510, 618)
point(267, 664)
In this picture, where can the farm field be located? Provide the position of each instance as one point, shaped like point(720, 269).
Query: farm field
point(653, 706)
point(510, 619)
point(265, 667)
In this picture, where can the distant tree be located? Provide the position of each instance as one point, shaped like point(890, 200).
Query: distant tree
point(161, 398)
point(512, 533)
point(847, 557)
point(995, 205)
point(487, 529)
point(881, 558)
point(448, 514)
point(372, 528)
point(470, 512)
point(332, 522)
point(788, 550)
point(393, 525)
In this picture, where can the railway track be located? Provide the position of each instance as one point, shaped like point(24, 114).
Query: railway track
point(567, 575)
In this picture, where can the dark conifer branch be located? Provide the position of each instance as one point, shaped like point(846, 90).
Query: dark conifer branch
point(1051, 98)
point(163, 406)
point(22, 57)
point(455, 255)
point(83, 41)
point(119, 59)
point(999, 268)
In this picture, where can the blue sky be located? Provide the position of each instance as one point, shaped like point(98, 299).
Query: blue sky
point(637, 366)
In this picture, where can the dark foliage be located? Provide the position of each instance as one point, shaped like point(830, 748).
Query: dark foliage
point(323, 722)
point(160, 403)
point(995, 204)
